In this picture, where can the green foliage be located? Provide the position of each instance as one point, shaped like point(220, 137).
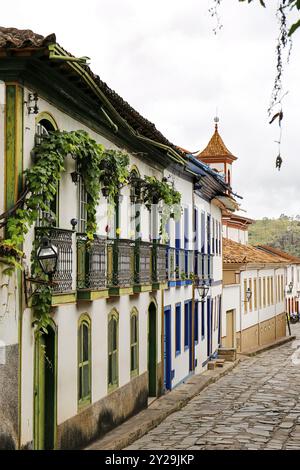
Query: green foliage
point(154, 191)
point(282, 233)
point(42, 182)
point(97, 166)
point(114, 172)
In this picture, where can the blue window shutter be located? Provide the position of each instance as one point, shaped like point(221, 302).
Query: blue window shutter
point(186, 228)
point(203, 320)
point(186, 325)
point(178, 328)
point(196, 323)
point(208, 230)
point(177, 234)
point(202, 232)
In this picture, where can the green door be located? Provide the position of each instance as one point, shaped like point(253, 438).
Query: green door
point(152, 350)
point(44, 391)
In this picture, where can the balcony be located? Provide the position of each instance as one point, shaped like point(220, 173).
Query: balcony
point(203, 267)
point(63, 276)
point(159, 264)
point(91, 267)
point(183, 260)
point(142, 266)
point(120, 266)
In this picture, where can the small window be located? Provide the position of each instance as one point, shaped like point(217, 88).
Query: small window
point(84, 362)
point(178, 330)
point(203, 320)
point(196, 326)
point(255, 294)
point(82, 206)
point(46, 219)
point(259, 292)
point(186, 325)
point(113, 339)
point(245, 296)
point(134, 343)
point(250, 301)
point(272, 291)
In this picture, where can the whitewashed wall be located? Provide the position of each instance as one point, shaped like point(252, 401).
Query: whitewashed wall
point(66, 316)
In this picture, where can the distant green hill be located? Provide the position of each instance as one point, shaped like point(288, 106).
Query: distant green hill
point(282, 233)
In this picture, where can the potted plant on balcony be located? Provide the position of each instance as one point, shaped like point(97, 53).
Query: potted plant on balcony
point(114, 173)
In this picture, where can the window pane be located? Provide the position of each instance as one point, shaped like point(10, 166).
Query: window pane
point(85, 338)
point(110, 369)
point(114, 335)
point(110, 336)
point(114, 368)
point(80, 383)
point(86, 381)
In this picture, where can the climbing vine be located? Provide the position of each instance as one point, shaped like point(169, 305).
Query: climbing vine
point(99, 168)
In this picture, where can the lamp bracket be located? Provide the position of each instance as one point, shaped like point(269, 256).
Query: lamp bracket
point(28, 283)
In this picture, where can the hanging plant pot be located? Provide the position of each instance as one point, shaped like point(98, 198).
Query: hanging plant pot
point(105, 191)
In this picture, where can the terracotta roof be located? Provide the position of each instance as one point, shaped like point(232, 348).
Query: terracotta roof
point(12, 38)
point(234, 252)
point(23, 38)
point(215, 148)
point(278, 252)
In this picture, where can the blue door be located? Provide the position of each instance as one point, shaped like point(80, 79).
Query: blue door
point(209, 329)
point(190, 338)
point(167, 349)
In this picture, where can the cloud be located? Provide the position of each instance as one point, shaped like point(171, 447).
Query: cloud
point(163, 58)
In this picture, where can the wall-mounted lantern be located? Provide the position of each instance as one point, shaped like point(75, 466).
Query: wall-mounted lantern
point(47, 255)
point(202, 291)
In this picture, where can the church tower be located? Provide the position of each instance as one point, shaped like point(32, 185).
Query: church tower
point(217, 155)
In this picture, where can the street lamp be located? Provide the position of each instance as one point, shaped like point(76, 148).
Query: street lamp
point(290, 287)
point(248, 294)
point(47, 255)
point(202, 291)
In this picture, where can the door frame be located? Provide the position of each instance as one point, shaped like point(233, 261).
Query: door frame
point(167, 348)
point(54, 328)
point(209, 326)
point(233, 343)
point(152, 337)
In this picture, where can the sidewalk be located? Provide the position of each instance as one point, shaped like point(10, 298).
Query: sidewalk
point(266, 347)
point(143, 422)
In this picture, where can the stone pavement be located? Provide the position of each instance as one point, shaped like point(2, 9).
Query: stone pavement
point(255, 406)
point(159, 409)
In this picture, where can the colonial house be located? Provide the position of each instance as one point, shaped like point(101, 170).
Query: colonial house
point(292, 278)
point(253, 296)
point(127, 318)
point(253, 307)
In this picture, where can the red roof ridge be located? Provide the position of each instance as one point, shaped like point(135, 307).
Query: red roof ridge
point(279, 252)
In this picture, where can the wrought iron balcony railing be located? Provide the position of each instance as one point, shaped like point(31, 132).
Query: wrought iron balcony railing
point(159, 263)
point(62, 239)
point(171, 263)
point(143, 262)
point(91, 262)
point(120, 257)
point(203, 266)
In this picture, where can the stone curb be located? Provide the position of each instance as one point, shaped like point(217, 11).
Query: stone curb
point(279, 342)
point(159, 410)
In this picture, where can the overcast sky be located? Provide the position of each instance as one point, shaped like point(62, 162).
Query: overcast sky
point(164, 59)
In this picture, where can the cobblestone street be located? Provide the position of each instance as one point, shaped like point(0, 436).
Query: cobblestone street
point(256, 406)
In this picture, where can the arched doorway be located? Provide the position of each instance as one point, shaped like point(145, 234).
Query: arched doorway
point(45, 390)
point(152, 350)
